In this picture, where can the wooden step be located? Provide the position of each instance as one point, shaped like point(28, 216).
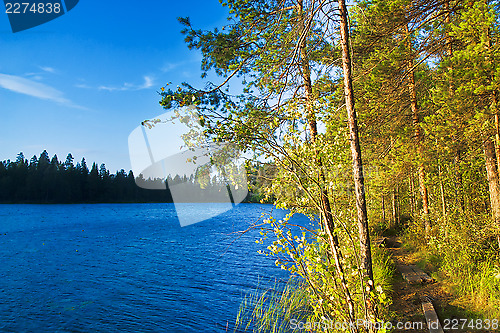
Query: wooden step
point(414, 275)
point(380, 241)
point(386, 242)
point(431, 316)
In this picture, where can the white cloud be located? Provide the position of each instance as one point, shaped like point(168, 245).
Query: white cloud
point(193, 59)
point(83, 86)
point(47, 69)
point(32, 88)
point(28, 87)
point(148, 83)
point(171, 66)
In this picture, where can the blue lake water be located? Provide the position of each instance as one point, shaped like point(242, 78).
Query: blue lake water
point(127, 268)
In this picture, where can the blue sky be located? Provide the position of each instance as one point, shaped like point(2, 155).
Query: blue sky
point(84, 81)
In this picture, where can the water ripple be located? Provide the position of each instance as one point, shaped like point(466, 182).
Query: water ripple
point(125, 268)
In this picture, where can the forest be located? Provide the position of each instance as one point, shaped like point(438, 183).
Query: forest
point(376, 118)
point(47, 180)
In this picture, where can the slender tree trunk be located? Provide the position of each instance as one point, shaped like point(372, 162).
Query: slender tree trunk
point(497, 131)
point(449, 40)
point(393, 195)
point(497, 146)
point(326, 207)
point(494, 105)
point(443, 202)
point(394, 212)
point(383, 209)
point(459, 195)
point(418, 139)
point(459, 192)
point(357, 164)
point(441, 186)
point(449, 51)
point(412, 197)
point(398, 207)
point(493, 180)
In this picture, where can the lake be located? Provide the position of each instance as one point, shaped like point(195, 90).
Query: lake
point(127, 268)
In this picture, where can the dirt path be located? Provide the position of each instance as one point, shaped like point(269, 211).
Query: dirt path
point(407, 304)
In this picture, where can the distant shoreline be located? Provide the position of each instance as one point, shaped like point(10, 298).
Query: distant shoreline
point(121, 202)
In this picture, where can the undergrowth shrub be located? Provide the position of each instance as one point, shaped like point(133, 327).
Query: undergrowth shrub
point(313, 296)
point(463, 250)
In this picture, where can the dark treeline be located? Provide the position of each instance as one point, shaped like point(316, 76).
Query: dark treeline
point(48, 180)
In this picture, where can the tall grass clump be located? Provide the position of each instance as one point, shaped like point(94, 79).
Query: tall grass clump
point(383, 269)
point(273, 309)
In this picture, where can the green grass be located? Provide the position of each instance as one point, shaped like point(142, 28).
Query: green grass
point(462, 263)
point(384, 274)
point(383, 268)
point(272, 310)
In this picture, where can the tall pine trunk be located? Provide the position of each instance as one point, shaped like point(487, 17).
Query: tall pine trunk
point(493, 180)
point(325, 201)
point(418, 137)
point(492, 170)
point(357, 164)
point(459, 194)
point(497, 146)
point(497, 130)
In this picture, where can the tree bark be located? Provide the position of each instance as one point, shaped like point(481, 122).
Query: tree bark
point(443, 201)
point(497, 131)
point(418, 138)
point(357, 163)
point(383, 209)
point(492, 172)
point(394, 209)
point(459, 192)
point(412, 195)
point(449, 44)
point(441, 186)
point(398, 207)
point(493, 180)
point(497, 150)
point(459, 195)
point(325, 202)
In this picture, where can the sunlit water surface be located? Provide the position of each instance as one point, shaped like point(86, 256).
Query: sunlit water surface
point(127, 268)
